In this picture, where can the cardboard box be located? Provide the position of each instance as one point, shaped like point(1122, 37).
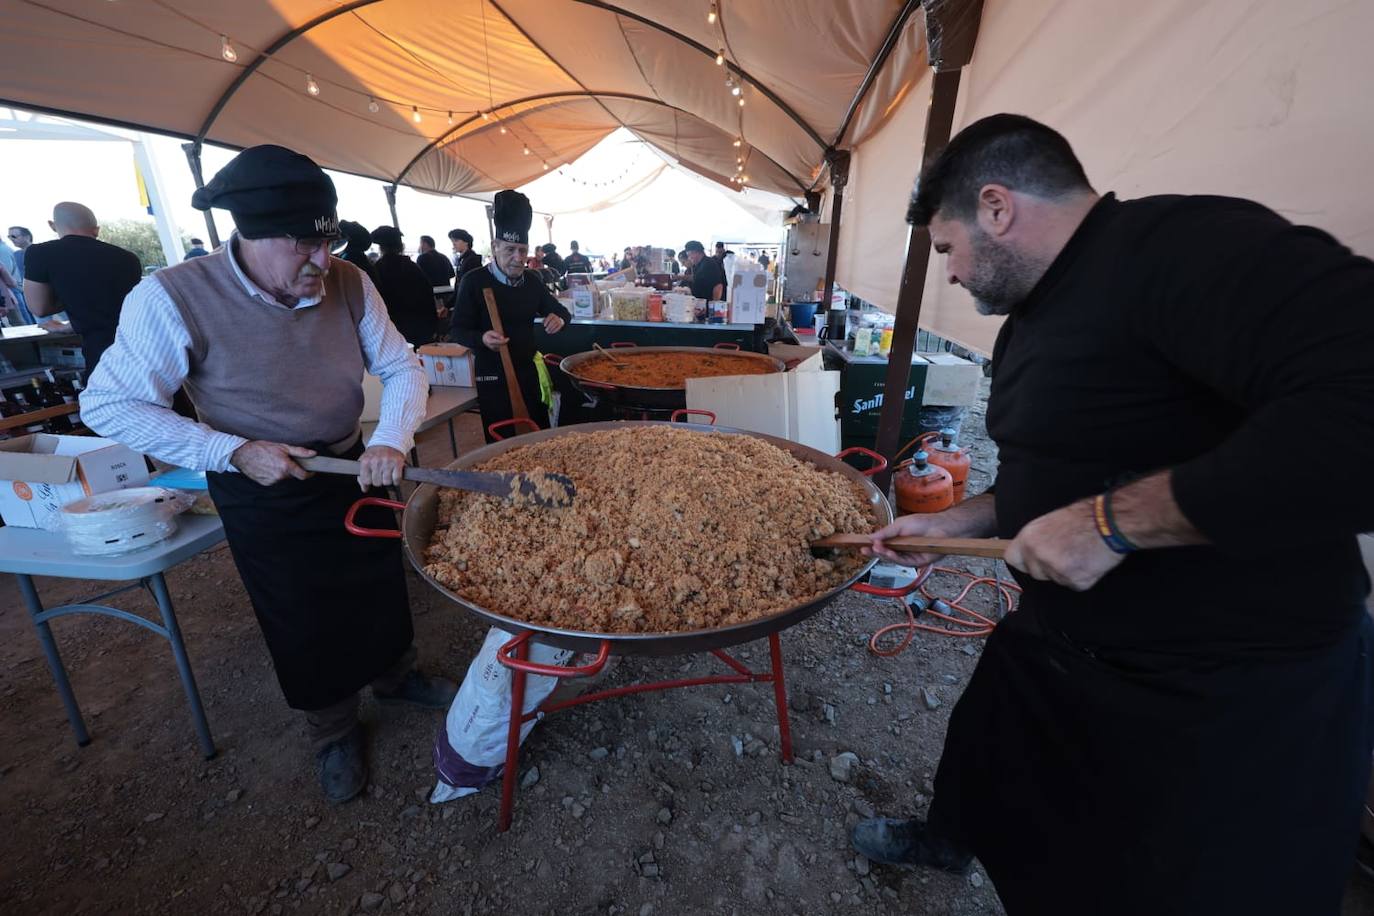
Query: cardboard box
point(797, 405)
point(40, 474)
point(447, 364)
point(951, 381)
point(748, 297)
point(584, 302)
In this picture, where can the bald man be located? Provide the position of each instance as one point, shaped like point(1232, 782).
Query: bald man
point(81, 275)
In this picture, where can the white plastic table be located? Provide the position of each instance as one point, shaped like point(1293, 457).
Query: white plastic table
point(29, 552)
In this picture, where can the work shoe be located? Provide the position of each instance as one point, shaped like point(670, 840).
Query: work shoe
point(343, 772)
point(890, 841)
point(420, 690)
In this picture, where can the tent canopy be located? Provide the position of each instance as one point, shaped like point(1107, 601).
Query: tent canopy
point(447, 95)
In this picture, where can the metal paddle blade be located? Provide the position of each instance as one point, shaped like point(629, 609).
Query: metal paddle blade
point(537, 488)
point(542, 489)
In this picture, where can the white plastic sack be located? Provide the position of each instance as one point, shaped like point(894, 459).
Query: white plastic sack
point(470, 750)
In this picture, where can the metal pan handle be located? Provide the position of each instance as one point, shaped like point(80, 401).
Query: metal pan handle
point(879, 462)
point(506, 656)
point(691, 412)
point(517, 421)
point(355, 529)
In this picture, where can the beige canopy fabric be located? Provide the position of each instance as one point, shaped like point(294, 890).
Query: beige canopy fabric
point(1262, 99)
point(344, 82)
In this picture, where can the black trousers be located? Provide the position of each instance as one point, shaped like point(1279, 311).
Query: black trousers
point(493, 400)
point(332, 607)
point(1124, 783)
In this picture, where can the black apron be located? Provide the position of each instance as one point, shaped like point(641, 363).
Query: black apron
point(332, 606)
point(493, 401)
point(1130, 783)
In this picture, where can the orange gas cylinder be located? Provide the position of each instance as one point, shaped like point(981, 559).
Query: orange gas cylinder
point(952, 458)
point(923, 487)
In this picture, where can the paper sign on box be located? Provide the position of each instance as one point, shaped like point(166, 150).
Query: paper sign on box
point(447, 364)
point(40, 474)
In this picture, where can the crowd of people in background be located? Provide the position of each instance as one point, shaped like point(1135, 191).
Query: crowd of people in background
point(84, 280)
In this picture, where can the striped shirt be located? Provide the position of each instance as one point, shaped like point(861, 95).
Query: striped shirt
point(129, 396)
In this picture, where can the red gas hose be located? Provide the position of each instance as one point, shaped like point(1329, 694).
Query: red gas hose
point(972, 624)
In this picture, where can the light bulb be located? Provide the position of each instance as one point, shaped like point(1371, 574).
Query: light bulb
point(311, 86)
point(711, 13)
point(720, 58)
point(741, 101)
point(415, 113)
point(546, 166)
point(734, 90)
point(526, 151)
point(486, 116)
point(450, 119)
point(503, 128)
point(226, 49)
point(743, 179)
point(738, 141)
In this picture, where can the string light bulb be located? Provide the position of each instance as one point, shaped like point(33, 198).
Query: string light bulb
point(546, 166)
point(486, 116)
point(503, 128)
point(741, 101)
point(226, 49)
point(526, 150)
point(738, 141)
point(450, 119)
point(734, 90)
point(311, 86)
point(372, 105)
point(415, 113)
point(711, 13)
point(720, 58)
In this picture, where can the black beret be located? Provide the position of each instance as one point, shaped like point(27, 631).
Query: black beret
point(272, 191)
point(512, 214)
point(387, 236)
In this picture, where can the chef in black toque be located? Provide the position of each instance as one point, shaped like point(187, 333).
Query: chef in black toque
point(521, 299)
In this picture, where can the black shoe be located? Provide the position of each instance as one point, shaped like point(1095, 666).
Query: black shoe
point(343, 772)
point(421, 690)
point(890, 841)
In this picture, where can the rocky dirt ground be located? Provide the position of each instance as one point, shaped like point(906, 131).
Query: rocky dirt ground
point(664, 803)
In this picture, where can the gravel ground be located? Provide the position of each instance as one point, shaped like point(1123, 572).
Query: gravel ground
point(664, 803)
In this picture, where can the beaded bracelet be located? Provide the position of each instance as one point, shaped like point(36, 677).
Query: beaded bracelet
point(1106, 525)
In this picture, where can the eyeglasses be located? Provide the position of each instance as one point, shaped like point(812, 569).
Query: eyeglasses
point(311, 245)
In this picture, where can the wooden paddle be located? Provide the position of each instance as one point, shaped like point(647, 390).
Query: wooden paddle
point(517, 399)
point(607, 353)
point(959, 547)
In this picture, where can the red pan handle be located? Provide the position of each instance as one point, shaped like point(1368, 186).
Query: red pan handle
point(552, 360)
point(517, 421)
point(879, 462)
point(506, 656)
point(727, 345)
point(691, 412)
point(623, 345)
point(355, 529)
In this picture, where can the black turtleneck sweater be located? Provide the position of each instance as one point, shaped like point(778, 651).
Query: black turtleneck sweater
point(1211, 336)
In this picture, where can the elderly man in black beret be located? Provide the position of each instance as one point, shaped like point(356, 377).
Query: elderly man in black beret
point(270, 337)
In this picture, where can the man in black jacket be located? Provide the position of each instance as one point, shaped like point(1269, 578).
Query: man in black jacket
point(408, 294)
point(465, 260)
point(437, 268)
point(577, 263)
point(1169, 723)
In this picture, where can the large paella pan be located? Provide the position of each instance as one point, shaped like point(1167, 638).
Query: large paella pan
point(654, 377)
point(421, 516)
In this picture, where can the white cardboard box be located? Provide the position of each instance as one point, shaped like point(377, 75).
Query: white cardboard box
point(40, 474)
point(748, 297)
point(447, 364)
point(951, 381)
point(797, 405)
